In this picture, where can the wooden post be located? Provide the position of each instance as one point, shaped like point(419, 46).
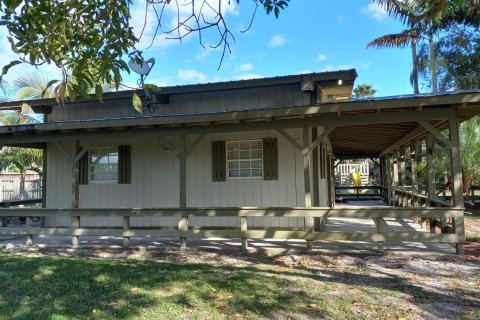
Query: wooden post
point(75, 194)
point(413, 161)
point(244, 227)
point(395, 177)
point(28, 224)
point(308, 221)
point(380, 229)
point(183, 227)
point(315, 171)
point(306, 171)
point(126, 227)
point(385, 183)
point(430, 142)
point(457, 190)
point(43, 222)
point(75, 226)
point(183, 221)
point(389, 180)
point(316, 165)
point(403, 176)
point(460, 231)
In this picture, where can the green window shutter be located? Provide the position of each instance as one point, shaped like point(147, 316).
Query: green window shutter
point(83, 169)
point(124, 165)
point(219, 161)
point(270, 159)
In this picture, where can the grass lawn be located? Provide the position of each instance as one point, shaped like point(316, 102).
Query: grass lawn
point(234, 285)
point(207, 285)
point(472, 227)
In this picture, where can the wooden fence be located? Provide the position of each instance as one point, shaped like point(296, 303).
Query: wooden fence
point(184, 231)
point(10, 187)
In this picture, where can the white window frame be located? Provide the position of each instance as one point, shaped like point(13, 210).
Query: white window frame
point(260, 177)
point(111, 174)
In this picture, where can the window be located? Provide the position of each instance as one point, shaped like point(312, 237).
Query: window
point(103, 165)
point(245, 159)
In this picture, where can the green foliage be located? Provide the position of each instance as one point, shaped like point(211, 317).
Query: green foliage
point(274, 6)
point(364, 91)
point(22, 159)
point(33, 85)
point(137, 103)
point(88, 38)
point(458, 59)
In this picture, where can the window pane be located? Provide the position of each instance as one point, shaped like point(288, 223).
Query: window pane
point(256, 172)
point(234, 173)
point(257, 154)
point(244, 145)
point(245, 172)
point(245, 164)
point(231, 146)
point(245, 159)
point(257, 164)
point(233, 165)
point(257, 145)
point(103, 164)
point(244, 154)
point(232, 155)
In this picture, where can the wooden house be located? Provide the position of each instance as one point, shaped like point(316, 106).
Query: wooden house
point(243, 159)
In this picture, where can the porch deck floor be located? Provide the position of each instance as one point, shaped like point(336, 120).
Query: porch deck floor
point(427, 250)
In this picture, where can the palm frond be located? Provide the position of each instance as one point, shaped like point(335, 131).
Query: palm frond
point(31, 86)
point(413, 12)
point(396, 40)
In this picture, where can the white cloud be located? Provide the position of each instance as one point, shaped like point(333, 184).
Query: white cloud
point(322, 57)
point(191, 75)
point(362, 65)
point(305, 71)
point(359, 65)
point(245, 67)
point(170, 18)
point(206, 52)
point(277, 41)
point(375, 11)
point(329, 68)
point(248, 76)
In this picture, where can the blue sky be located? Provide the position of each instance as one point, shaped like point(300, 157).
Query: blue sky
point(309, 36)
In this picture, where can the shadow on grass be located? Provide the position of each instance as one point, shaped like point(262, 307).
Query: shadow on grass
point(86, 288)
point(82, 288)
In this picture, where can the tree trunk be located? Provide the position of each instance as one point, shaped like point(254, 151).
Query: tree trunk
point(433, 63)
point(22, 185)
point(414, 67)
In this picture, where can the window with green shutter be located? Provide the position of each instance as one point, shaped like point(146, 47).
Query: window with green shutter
point(245, 160)
point(106, 165)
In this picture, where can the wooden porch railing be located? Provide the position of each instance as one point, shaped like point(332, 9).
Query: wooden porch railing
point(358, 191)
point(183, 230)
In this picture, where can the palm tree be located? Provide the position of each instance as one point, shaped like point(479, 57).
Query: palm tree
point(401, 40)
point(363, 91)
point(32, 86)
point(470, 149)
point(429, 17)
point(22, 159)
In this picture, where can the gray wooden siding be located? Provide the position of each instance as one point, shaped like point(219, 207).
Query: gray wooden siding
point(221, 101)
point(155, 183)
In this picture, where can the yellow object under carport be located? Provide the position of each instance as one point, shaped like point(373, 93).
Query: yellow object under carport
point(357, 181)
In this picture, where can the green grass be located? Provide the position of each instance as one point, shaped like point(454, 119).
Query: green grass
point(47, 287)
point(472, 227)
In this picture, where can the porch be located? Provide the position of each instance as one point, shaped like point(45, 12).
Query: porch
point(373, 227)
point(293, 172)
